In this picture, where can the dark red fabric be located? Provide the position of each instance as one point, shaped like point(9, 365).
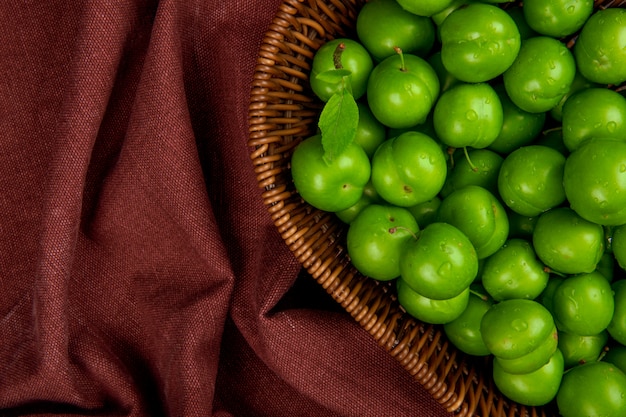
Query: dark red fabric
point(140, 274)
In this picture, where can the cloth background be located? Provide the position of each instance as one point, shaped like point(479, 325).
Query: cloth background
point(140, 274)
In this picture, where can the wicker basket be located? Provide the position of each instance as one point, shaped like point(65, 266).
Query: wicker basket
point(283, 111)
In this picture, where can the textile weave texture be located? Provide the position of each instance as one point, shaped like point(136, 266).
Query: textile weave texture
point(140, 273)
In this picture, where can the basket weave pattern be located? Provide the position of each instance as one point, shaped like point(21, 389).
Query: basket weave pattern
point(282, 112)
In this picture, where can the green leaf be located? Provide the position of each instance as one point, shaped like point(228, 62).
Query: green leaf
point(338, 123)
point(333, 76)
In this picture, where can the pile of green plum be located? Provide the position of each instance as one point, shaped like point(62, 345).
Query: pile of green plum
point(477, 154)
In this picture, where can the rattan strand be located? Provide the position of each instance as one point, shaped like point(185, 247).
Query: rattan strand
point(282, 112)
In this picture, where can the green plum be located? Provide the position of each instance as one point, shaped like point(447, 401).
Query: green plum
point(530, 180)
point(429, 310)
point(441, 263)
point(425, 7)
point(370, 133)
point(382, 25)
point(578, 349)
point(409, 169)
point(353, 58)
point(547, 295)
point(479, 215)
point(567, 243)
point(519, 127)
point(533, 360)
point(468, 115)
point(618, 245)
point(592, 389)
point(599, 49)
point(557, 18)
point(464, 331)
point(401, 90)
point(593, 113)
point(580, 83)
point(541, 74)
point(479, 42)
point(426, 213)
point(594, 180)
point(583, 304)
point(514, 272)
point(376, 240)
point(333, 186)
point(513, 328)
point(368, 197)
point(481, 167)
point(535, 388)
point(617, 326)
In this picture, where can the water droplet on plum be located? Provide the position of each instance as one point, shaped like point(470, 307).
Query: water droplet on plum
point(611, 126)
point(519, 325)
point(471, 115)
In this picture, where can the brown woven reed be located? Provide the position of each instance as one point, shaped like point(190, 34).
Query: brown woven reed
point(284, 111)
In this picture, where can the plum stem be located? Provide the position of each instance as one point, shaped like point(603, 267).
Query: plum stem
point(482, 296)
point(337, 55)
point(552, 271)
point(399, 52)
point(394, 229)
point(603, 353)
point(450, 151)
point(469, 160)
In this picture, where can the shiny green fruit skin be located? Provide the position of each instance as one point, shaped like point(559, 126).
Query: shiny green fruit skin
point(484, 172)
point(426, 213)
point(446, 80)
point(530, 180)
point(402, 91)
point(370, 133)
point(617, 327)
point(479, 215)
point(599, 49)
point(581, 349)
point(547, 296)
point(382, 25)
point(330, 186)
point(519, 127)
point(428, 310)
point(478, 42)
point(593, 389)
point(583, 304)
point(464, 331)
point(516, 327)
point(618, 245)
point(580, 83)
point(593, 113)
point(425, 7)
point(441, 263)
point(594, 179)
point(536, 388)
point(541, 75)
point(468, 115)
point(557, 18)
point(567, 243)
point(369, 196)
point(355, 58)
point(376, 240)
point(533, 360)
point(409, 169)
point(514, 272)
point(516, 11)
